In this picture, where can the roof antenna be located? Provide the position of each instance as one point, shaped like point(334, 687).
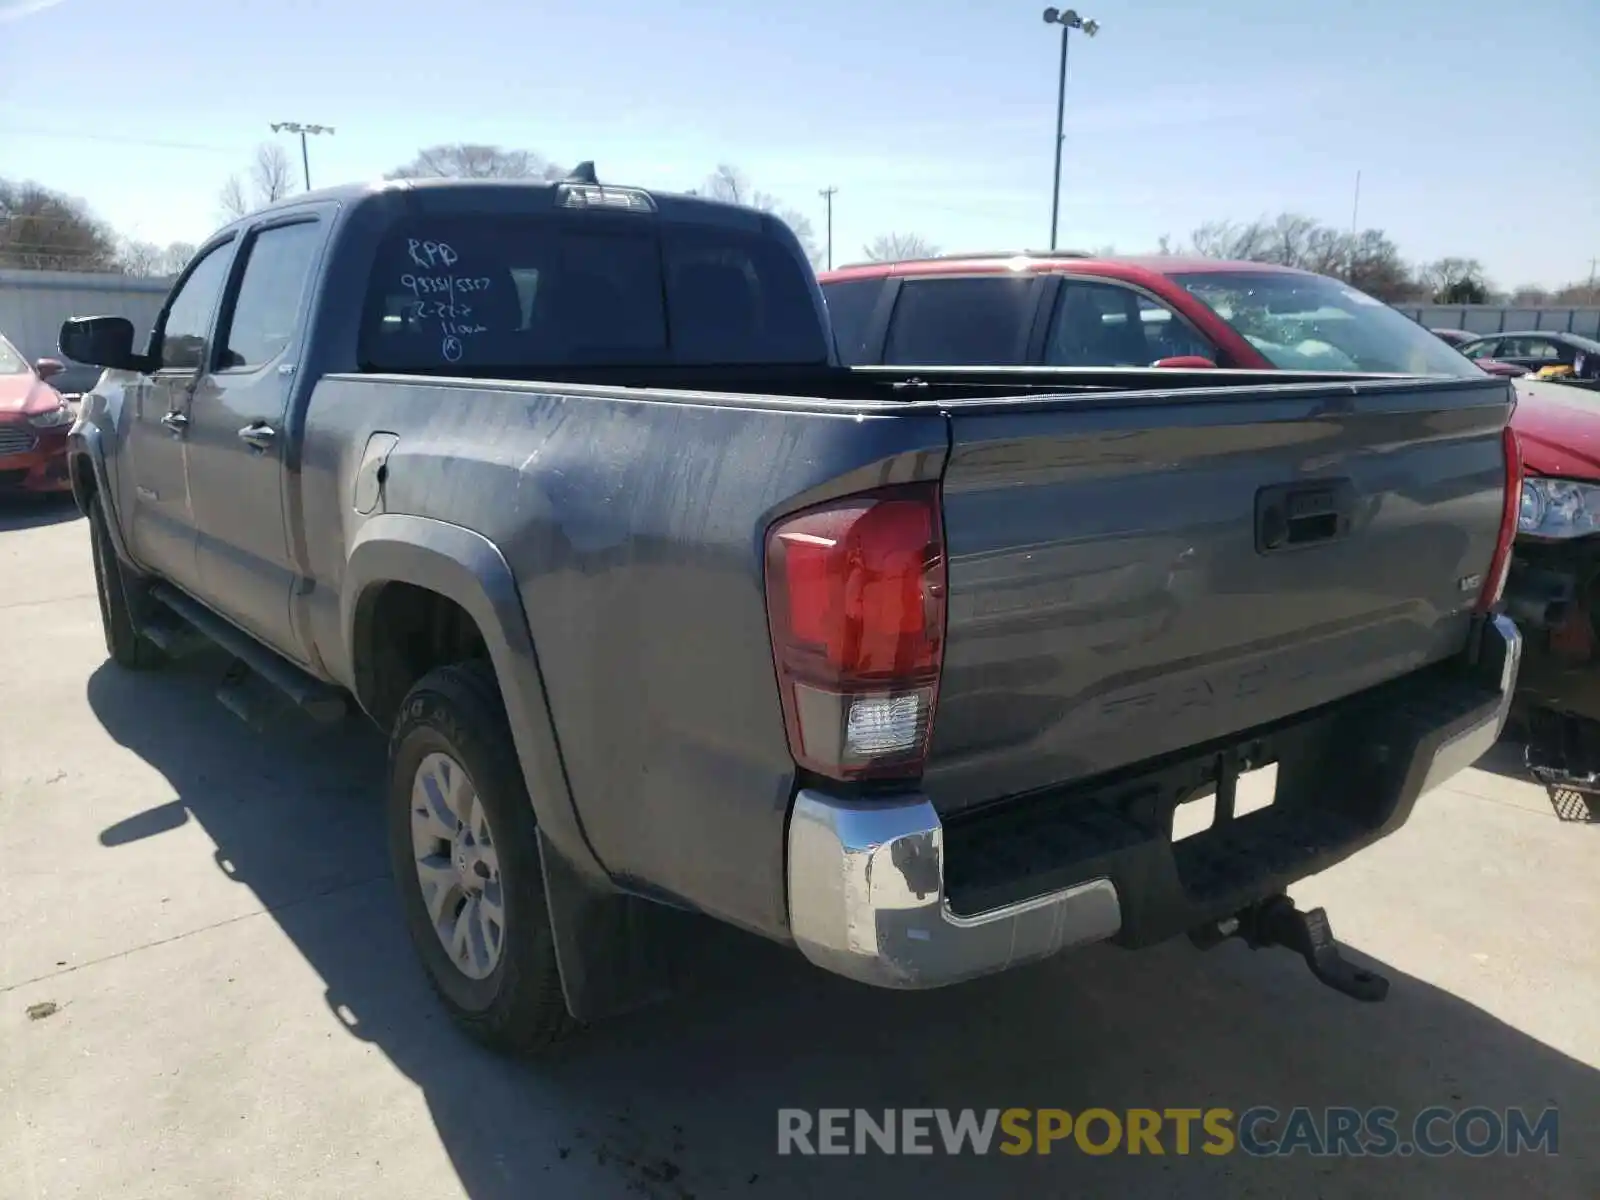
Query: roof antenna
point(582, 173)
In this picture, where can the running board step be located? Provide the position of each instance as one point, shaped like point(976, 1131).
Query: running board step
point(251, 698)
point(320, 701)
point(175, 637)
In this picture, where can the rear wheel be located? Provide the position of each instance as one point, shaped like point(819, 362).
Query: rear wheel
point(126, 646)
point(464, 848)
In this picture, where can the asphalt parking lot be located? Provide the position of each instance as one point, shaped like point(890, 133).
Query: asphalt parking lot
point(205, 990)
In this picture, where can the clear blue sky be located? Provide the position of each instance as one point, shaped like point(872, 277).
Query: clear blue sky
point(1475, 124)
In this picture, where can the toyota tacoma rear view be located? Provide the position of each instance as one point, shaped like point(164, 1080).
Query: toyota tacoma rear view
point(663, 608)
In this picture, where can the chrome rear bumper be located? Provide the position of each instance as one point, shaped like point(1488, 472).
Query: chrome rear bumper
point(866, 900)
point(866, 878)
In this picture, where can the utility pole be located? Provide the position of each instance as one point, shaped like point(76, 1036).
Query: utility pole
point(302, 130)
point(827, 194)
point(1068, 20)
point(1355, 213)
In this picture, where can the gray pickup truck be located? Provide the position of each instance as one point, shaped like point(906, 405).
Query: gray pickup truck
point(665, 610)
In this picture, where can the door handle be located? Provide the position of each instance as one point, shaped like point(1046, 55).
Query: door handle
point(258, 436)
point(177, 422)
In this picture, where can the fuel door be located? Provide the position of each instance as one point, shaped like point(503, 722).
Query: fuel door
point(373, 472)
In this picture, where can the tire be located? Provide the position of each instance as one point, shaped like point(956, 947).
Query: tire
point(518, 1007)
point(125, 645)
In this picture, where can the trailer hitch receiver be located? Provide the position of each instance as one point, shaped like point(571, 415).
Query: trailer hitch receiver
point(1277, 922)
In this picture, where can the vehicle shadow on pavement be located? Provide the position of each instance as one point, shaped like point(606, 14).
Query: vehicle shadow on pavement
point(1506, 758)
point(36, 512)
point(681, 1101)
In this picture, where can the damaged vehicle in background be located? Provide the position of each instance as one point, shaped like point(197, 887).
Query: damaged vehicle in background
point(1553, 590)
point(1542, 354)
point(34, 420)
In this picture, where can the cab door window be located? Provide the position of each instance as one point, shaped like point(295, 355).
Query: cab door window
point(188, 320)
point(266, 311)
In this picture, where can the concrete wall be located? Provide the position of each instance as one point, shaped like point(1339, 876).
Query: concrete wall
point(1495, 318)
point(34, 303)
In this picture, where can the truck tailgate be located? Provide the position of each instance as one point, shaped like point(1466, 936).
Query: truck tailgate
point(1134, 574)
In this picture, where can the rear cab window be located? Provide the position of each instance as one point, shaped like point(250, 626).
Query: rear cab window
point(585, 289)
point(961, 320)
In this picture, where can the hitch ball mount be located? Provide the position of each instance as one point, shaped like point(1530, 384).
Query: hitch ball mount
point(1277, 922)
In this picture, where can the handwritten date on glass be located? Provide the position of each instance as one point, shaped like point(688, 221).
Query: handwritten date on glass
point(452, 318)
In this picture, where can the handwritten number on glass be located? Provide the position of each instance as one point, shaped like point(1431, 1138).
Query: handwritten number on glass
point(432, 257)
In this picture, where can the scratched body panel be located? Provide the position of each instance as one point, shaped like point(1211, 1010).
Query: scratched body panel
point(634, 527)
point(1109, 600)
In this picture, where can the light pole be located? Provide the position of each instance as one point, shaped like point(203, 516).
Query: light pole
point(302, 130)
point(828, 194)
point(1068, 20)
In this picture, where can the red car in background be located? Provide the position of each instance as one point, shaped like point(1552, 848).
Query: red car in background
point(1073, 310)
point(1066, 309)
point(34, 420)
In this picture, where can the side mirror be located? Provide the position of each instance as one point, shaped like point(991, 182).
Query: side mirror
point(1185, 362)
point(101, 342)
point(48, 368)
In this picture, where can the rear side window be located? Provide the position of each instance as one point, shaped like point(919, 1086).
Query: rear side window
point(850, 305)
point(588, 290)
point(266, 312)
point(1106, 325)
point(961, 321)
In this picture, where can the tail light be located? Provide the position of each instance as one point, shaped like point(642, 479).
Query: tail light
point(1494, 583)
point(856, 604)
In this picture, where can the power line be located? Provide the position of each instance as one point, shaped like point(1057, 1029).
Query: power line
point(158, 143)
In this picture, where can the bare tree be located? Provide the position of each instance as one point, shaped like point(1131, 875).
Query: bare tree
point(1585, 293)
point(1368, 260)
point(232, 198)
point(731, 185)
point(463, 160)
point(1530, 293)
point(44, 230)
point(896, 247)
point(1373, 264)
point(147, 258)
point(1227, 239)
point(271, 178)
point(1454, 280)
point(271, 173)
